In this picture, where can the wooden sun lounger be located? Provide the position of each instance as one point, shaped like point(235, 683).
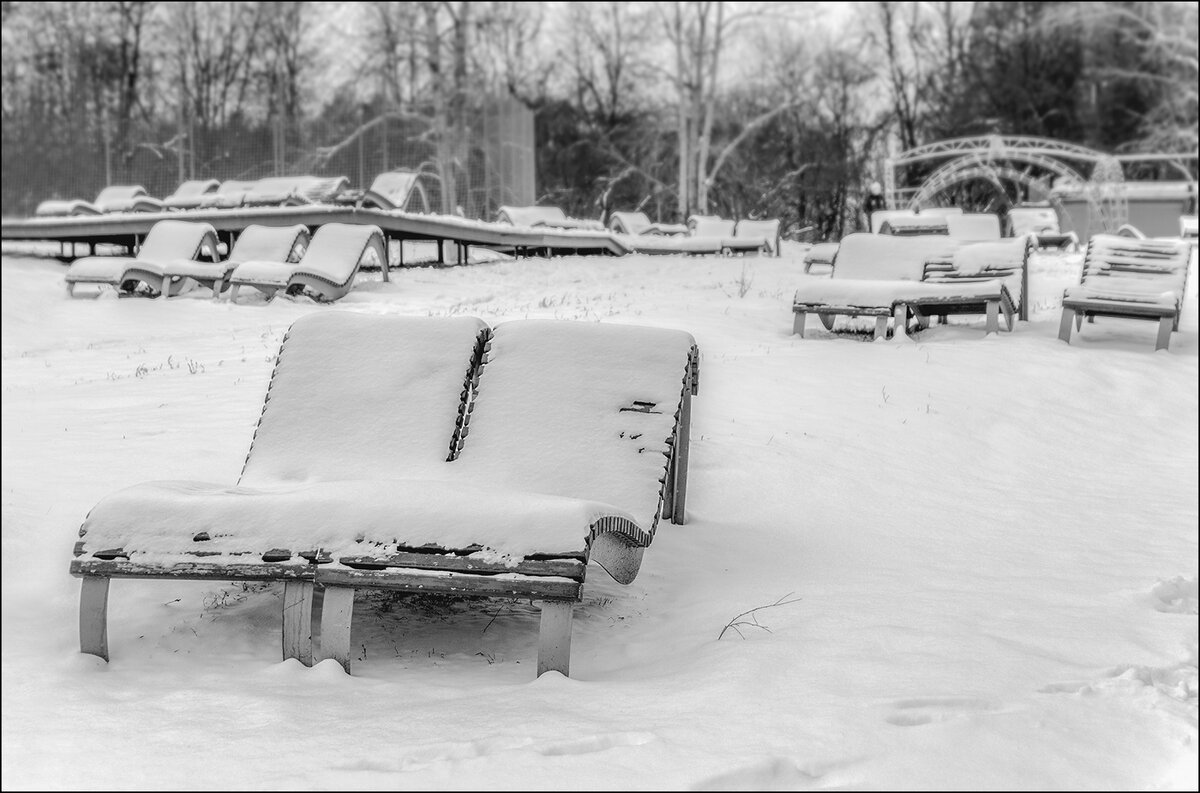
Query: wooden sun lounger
point(327, 269)
point(1131, 278)
point(116, 198)
point(458, 445)
point(254, 243)
point(179, 241)
point(409, 374)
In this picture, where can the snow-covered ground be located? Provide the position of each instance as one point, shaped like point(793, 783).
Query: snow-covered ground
point(990, 545)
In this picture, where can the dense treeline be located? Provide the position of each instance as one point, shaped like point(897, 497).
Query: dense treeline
point(746, 110)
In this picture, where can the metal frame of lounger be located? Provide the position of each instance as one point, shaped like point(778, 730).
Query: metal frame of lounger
point(98, 567)
point(554, 580)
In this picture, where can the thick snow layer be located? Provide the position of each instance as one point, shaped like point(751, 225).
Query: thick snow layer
point(992, 544)
point(883, 257)
point(578, 410)
point(157, 522)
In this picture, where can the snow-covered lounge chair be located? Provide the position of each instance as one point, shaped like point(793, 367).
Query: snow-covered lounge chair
point(823, 254)
point(1043, 223)
point(306, 488)
point(879, 217)
point(190, 194)
point(178, 241)
point(390, 191)
point(871, 274)
point(1130, 278)
point(988, 278)
point(327, 269)
point(254, 243)
point(294, 190)
point(552, 217)
point(766, 230)
point(230, 195)
point(635, 223)
point(116, 198)
point(577, 443)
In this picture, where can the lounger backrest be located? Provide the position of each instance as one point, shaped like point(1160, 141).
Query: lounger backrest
point(176, 239)
point(1032, 220)
point(394, 187)
point(336, 249)
point(364, 396)
point(1006, 259)
point(321, 189)
point(1156, 266)
point(195, 187)
point(974, 226)
point(235, 186)
point(579, 409)
point(879, 217)
point(940, 212)
point(710, 226)
point(273, 189)
point(120, 192)
point(885, 258)
point(914, 225)
point(531, 216)
point(628, 222)
point(259, 243)
point(767, 229)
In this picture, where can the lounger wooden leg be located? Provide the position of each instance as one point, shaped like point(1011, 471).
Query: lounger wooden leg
point(1078, 321)
point(554, 637)
point(1064, 325)
point(682, 443)
point(881, 326)
point(798, 323)
point(233, 292)
point(297, 621)
point(93, 616)
point(900, 321)
point(993, 317)
point(1164, 333)
point(337, 613)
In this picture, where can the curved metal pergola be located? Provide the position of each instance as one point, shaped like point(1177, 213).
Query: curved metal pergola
point(1032, 164)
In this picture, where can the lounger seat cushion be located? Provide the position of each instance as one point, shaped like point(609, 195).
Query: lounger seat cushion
point(273, 273)
point(99, 269)
point(154, 521)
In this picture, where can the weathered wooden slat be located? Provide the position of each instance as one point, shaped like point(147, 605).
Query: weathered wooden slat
point(187, 570)
point(465, 584)
point(570, 568)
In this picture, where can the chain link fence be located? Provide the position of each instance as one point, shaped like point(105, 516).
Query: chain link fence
point(470, 169)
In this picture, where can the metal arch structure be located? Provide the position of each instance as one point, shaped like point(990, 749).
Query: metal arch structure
point(978, 166)
point(986, 151)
